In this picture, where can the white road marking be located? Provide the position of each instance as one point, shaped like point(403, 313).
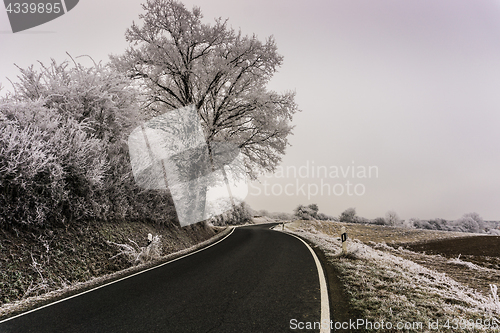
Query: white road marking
point(115, 281)
point(325, 303)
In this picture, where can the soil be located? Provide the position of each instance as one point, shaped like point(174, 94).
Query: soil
point(483, 251)
point(481, 246)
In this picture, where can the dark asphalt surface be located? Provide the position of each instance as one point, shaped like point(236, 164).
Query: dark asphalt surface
point(256, 280)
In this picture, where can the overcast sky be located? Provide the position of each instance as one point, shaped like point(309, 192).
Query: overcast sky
point(409, 88)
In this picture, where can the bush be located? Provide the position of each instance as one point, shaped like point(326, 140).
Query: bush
point(325, 217)
point(240, 214)
point(392, 218)
point(136, 254)
point(470, 222)
point(306, 212)
point(348, 215)
point(379, 221)
point(50, 167)
point(64, 155)
point(408, 224)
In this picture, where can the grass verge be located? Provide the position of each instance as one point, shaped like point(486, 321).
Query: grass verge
point(384, 287)
point(72, 266)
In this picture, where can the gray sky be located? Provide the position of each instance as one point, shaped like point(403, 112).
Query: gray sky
point(411, 88)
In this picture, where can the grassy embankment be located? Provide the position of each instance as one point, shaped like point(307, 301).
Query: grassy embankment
point(38, 267)
point(383, 281)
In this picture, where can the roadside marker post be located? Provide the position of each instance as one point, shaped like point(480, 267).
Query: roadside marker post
point(343, 237)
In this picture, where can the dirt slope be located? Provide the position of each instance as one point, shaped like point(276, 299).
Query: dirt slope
point(37, 261)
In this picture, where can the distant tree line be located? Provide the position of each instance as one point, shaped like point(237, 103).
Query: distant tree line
point(274, 215)
point(310, 212)
point(470, 222)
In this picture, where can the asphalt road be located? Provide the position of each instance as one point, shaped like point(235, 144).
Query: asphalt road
point(256, 280)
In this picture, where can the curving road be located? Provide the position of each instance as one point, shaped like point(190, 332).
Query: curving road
point(255, 280)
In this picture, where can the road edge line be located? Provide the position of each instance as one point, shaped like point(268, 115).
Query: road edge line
point(325, 302)
point(118, 280)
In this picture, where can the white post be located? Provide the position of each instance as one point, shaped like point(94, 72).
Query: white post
point(343, 237)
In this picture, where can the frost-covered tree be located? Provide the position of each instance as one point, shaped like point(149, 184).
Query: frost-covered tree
point(306, 212)
point(391, 218)
point(476, 217)
point(182, 61)
point(470, 222)
point(314, 208)
point(310, 212)
point(348, 215)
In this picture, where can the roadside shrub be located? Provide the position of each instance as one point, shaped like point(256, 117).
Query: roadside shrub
point(64, 148)
point(136, 254)
point(50, 168)
point(97, 95)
